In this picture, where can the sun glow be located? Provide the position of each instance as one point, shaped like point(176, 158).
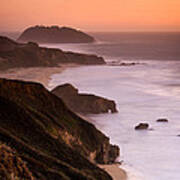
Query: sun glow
point(101, 15)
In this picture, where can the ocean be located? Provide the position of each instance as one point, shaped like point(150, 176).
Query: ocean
point(143, 92)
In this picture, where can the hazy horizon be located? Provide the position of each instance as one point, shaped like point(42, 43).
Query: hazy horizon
point(96, 31)
point(93, 16)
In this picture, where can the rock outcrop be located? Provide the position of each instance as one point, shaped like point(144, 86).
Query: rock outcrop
point(13, 55)
point(162, 120)
point(117, 63)
point(54, 34)
point(142, 126)
point(83, 103)
point(54, 142)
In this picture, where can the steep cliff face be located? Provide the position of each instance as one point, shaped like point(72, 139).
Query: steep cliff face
point(83, 103)
point(54, 34)
point(54, 141)
point(13, 54)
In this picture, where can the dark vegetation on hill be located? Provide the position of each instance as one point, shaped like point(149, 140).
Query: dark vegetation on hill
point(53, 141)
point(54, 34)
point(83, 103)
point(14, 55)
point(12, 167)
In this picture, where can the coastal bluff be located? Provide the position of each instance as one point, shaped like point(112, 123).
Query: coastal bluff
point(15, 55)
point(53, 141)
point(54, 34)
point(83, 103)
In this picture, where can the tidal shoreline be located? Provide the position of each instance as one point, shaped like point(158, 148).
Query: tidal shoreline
point(43, 76)
point(115, 171)
point(36, 74)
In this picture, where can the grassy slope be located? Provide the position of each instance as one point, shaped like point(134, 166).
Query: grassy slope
point(32, 121)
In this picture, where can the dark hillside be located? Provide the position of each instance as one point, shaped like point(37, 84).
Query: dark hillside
point(55, 142)
point(14, 55)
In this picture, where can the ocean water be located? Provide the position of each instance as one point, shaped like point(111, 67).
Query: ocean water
point(143, 93)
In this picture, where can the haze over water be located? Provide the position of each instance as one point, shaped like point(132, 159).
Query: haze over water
point(143, 93)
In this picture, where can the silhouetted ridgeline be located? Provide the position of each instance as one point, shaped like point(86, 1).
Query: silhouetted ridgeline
point(53, 141)
point(13, 54)
point(83, 103)
point(54, 34)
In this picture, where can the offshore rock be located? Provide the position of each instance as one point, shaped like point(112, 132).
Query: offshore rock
point(54, 34)
point(162, 120)
point(142, 126)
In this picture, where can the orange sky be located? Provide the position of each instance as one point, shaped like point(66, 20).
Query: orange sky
point(92, 15)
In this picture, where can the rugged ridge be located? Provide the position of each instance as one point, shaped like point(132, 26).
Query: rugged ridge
point(53, 141)
point(13, 55)
point(83, 103)
point(54, 34)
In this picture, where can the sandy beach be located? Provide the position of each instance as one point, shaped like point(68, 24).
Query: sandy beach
point(43, 76)
point(36, 74)
point(115, 172)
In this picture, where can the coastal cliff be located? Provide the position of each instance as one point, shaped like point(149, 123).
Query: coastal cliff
point(14, 55)
point(54, 142)
point(83, 103)
point(54, 34)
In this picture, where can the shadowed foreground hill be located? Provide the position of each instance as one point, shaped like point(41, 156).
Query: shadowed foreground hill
point(11, 165)
point(13, 55)
point(53, 141)
point(54, 34)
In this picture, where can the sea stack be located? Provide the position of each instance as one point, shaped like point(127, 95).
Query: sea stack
point(142, 126)
point(54, 34)
point(162, 120)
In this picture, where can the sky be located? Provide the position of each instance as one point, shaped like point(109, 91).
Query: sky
point(92, 15)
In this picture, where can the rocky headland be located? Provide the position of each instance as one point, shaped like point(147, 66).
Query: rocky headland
point(54, 142)
point(16, 55)
point(83, 103)
point(54, 34)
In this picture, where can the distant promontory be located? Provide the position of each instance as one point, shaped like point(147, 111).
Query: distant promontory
point(23, 55)
point(54, 34)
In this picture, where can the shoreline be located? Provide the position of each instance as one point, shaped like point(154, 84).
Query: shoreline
point(43, 75)
point(116, 172)
point(36, 74)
